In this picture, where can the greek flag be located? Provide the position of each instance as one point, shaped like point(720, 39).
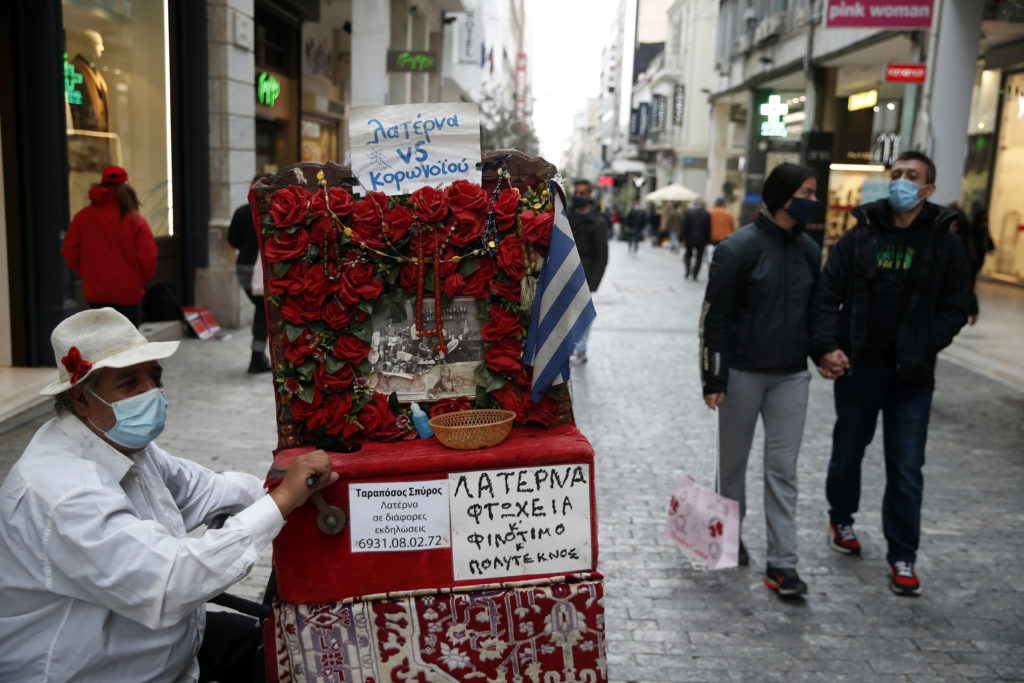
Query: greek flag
point(562, 309)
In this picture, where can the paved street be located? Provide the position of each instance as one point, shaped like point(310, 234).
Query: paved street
point(638, 400)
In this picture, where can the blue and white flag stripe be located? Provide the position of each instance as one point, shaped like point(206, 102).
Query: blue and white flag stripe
point(562, 308)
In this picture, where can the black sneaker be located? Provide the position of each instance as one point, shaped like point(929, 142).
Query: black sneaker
point(784, 581)
point(744, 557)
point(842, 539)
point(258, 364)
point(904, 580)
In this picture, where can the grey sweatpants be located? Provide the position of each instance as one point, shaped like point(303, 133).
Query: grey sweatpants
point(781, 400)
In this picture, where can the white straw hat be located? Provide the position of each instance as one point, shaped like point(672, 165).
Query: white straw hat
point(99, 338)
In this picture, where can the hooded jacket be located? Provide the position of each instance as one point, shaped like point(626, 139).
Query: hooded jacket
point(115, 256)
point(755, 312)
point(935, 301)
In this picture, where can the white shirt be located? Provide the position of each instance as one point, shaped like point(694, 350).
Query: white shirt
point(98, 578)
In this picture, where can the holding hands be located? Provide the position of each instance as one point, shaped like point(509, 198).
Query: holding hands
point(833, 364)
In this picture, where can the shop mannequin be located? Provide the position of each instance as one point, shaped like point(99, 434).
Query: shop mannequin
point(93, 113)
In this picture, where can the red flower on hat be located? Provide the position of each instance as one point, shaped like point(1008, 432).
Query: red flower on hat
point(76, 366)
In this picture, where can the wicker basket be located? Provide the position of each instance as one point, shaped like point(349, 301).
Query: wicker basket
point(469, 429)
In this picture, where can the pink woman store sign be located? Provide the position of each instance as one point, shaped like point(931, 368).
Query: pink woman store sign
point(904, 15)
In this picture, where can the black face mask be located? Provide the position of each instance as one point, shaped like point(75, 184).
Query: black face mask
point(580, 202)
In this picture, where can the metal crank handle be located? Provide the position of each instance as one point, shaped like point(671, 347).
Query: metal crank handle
point(330, 519)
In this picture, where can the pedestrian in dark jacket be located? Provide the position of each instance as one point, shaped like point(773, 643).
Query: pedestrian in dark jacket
point(754, 343)
point(635, 226)
point(696, 234)
point(109, 244)
point(977, 243)
point(894, 292)
point(590, 232)
point(242, 236)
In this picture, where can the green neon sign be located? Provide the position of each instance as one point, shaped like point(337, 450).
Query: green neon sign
point(267, 89)
point(72, 79)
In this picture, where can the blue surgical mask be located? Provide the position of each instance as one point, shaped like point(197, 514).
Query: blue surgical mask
point(580, 202)
point(902, 194)
point(140, 418)
point(802, 209)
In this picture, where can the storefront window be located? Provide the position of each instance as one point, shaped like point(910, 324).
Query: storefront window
point(319, 140)
point(1006, 214)
point(116, 99)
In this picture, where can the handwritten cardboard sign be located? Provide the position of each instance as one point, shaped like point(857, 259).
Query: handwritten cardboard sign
point(520, 521)
point(399, 516)
point(400, 148)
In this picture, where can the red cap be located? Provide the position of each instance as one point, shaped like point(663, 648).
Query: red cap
point(115, 174)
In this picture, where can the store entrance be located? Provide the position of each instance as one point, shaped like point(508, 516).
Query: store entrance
point(271, 146)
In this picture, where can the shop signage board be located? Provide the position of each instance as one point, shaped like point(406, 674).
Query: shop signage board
point(862, 100)
point(414, 61)
point(399, 516)
point(906, 15)
point(905, 73)
point(400, 148)
point(520, 521)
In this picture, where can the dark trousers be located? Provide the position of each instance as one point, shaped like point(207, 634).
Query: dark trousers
point(905, 411)
point(259, 322)
point(232, 650)
point(694, 252)
point(130, 312)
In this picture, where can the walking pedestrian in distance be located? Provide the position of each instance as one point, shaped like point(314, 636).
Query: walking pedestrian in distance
point(754, 344)
point(895, 291)
point(242, 236)
point(696, 234)
point(722, 222)
point(109, 244)
point(635, 224)
point(590, 232)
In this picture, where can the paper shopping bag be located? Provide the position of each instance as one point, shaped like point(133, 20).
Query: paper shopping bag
point(705, 523)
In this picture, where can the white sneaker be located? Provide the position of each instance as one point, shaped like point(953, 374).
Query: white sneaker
point(578, 358)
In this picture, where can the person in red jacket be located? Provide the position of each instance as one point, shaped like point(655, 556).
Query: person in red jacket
point(109, 244)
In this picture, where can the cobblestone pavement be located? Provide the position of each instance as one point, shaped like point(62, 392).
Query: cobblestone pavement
point(668, 619)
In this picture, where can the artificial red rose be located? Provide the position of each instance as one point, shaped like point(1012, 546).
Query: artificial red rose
point(467, 200)
point(478, 283)
point(359, 278)
point(359, 273)
point(465, 230)
point(367, 218)
point(426, 236)
point(288, 207)
point(505, 208)
point(453, 285)
point(351, 348)
point(450, 405)
point(289, 283)
point(430, 203)
point(537, 227)
point(298, 311)
point(503, 324)
point(509, 290)
point(369, 232)
point(315, 287)
point(378, 421)
point(510, 257)
point(543, 413)
point(298, 351)
point(286, 246)
point(338, 200)
point(301, 410)
point(334, 414)
point(511, 398)
point(448, 264)
point(336, 314)
point(76, 366)
point(397, 220)
point(408, 276)
point(504, 355)
point(338, 381)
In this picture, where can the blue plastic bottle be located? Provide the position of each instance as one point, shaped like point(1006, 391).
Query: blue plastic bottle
point(421, 421)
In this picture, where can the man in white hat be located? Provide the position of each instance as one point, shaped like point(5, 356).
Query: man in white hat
point(99, 580)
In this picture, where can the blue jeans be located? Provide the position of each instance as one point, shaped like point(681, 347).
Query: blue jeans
point(905, 410)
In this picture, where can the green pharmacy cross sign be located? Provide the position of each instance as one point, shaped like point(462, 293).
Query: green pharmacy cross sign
point(72, 79)
point(267, 89)
point(773, 110)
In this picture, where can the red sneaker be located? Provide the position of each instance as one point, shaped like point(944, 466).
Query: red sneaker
point(843, 539)
point(904, 580)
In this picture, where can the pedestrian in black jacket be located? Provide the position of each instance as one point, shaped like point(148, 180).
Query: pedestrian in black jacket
point(590, 231)
point(696, 234)
point(894, 292)
point(753, 355)
point(242, 236)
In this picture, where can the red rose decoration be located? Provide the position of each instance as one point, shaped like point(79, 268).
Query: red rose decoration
point(504, 356)
point(430, 204)
point(360, 281)
point(466, 229)
point(337, 315)
point(504, 324)
point(301, 410)
point(286, 246)
point(478, 283)
point(453, 285)
point(505, 208)
point(338, 200)
point(299, 311)
point(426, 236)
point(407, 276)
point(339, 381)
point(450, 405)
point(510, 257)
point(510, 398)
point(537, 227)
point(298, 351)
point(288, 207)
point(367, 219)
point(289, 283)
point(510, 290)
point(397, 220)
point(334, 415)
point(378, 421)
point(76, 366)
point(543, 413)
point(351, 349)
point(467, 200)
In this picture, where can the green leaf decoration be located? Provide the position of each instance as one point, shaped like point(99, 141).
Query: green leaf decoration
point(293, 332)
point(332, 364)
point(306, 392)
point(468, 266)
point(366, 306)
point(362, 332)
point(494, 380)
point(306, 369)
point(281, 268)
point(365, 367)
point(483, 399)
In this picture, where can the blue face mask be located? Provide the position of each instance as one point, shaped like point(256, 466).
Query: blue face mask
point(802, 209)
point(902, 194)
point(140, 419)
point(580, 202)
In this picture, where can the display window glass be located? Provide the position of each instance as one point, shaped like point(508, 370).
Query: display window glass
point(117, 101)
point(319, 140)
point(1006, 214)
